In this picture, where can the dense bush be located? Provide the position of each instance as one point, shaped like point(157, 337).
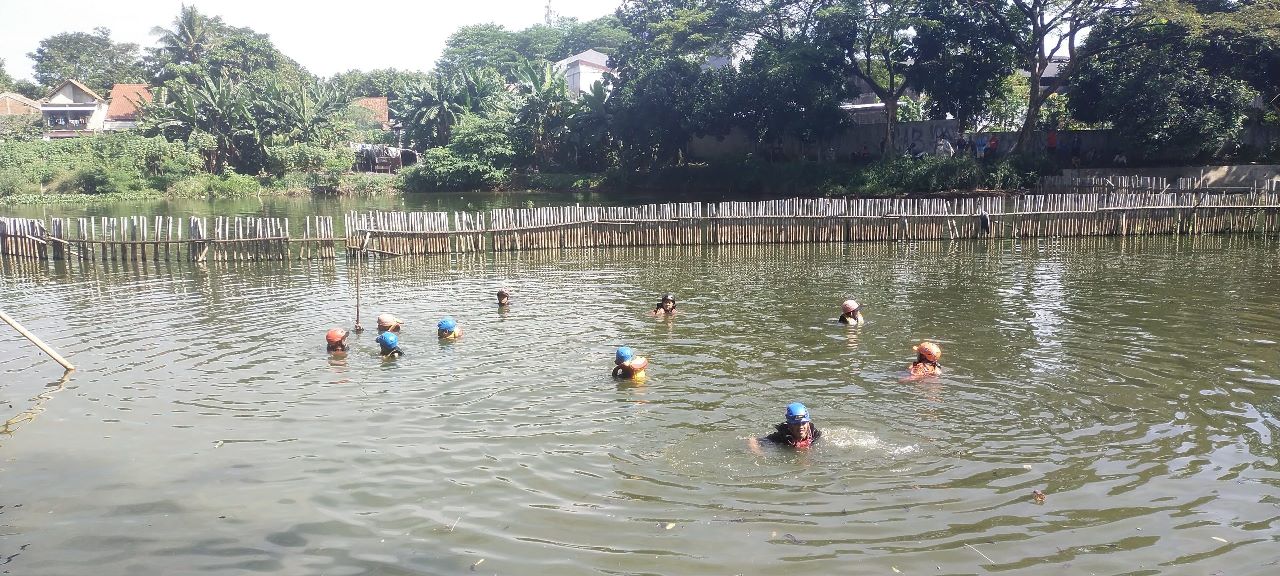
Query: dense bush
point(213, 186)
point(439, 169)
point(101, 164)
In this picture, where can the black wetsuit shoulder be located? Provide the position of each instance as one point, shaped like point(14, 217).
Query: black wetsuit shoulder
point(782, 434)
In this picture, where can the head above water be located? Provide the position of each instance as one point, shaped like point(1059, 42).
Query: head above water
point(335, 335)
point(388, 341)
point(624, 354)
point(668, 301)
point(928, 350)
point(389, 322)
point(797, 413)
point(850, 306)
point(503, 296)
point(447, 325)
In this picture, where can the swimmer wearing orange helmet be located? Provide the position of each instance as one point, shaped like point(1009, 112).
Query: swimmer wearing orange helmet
point(926, 364)
point(336, 340)
point(851, 313)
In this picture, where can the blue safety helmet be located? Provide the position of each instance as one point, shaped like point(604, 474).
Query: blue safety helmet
point(388, 341)
point(797, 413)
point(448, 325)
point(624, 354)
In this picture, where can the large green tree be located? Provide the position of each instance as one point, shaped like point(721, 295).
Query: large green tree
point(89, 57)
point(480, 46)
point(961, 64)
point(1043, 31)
point(197, 44)
point(388, 82)
point(6, 81)
point(1165, 94)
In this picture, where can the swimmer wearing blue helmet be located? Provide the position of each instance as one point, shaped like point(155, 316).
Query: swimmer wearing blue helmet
point(389, 344)
point(798, 431)
point(448, 329)
point(628, 365)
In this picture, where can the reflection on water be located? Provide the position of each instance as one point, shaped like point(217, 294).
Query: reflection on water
point(1133, 382)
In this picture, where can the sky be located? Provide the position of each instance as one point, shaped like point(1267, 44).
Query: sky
point(325, 36)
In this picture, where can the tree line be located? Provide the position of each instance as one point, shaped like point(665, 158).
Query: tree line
point(1176, 79)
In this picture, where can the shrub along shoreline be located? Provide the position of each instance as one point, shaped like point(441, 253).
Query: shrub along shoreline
point(129, 167)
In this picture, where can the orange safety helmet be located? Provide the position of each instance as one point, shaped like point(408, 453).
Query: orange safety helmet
point(929, 350)
point(335, 335)
point(849, 306)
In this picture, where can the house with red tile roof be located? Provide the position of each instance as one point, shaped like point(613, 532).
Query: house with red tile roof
point(122, 111)
point(14, 104)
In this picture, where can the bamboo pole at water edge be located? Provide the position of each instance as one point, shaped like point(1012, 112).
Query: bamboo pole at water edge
point(36, 340)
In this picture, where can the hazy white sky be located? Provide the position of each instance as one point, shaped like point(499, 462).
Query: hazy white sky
point(326, 36)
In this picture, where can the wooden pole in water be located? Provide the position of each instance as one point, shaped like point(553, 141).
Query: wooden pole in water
point(358, 327)
point(35, 340)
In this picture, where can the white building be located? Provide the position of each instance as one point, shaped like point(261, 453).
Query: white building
point(72, 109)
point(584, 69)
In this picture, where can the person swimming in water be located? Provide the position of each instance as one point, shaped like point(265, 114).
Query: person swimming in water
point(628, 365)
point(926, 364)
point(336, 340)
point(504, 298)
point(851, 313)
point(666, 306)
point(389, 323)
point(448, 329)
point(389, 344)
point(797, 432)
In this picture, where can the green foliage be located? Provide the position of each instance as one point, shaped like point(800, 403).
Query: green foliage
point(29, 89)
point(484, 139)
point(6, 81)
point(21, 127)
point(961, 62)
point(91, 58)
point(388, 82)
point(1163, 97)
point(106, 163)
point(1007, 110)
point(927, 174)
point(932, 174)
point(214, 186)
point(200, 45)
point(440, 169)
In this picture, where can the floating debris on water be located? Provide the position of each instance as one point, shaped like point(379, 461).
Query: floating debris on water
point(478, 562)
point(1038, 495)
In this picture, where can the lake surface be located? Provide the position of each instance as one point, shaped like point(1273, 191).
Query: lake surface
point(1133, 381)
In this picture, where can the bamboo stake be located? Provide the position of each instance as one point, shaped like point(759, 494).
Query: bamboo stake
point(36, 340)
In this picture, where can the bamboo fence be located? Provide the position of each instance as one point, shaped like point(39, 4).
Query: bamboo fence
point(1120, 211)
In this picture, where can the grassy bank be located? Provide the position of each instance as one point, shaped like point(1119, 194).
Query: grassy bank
point(125, 166)
point(749, 178)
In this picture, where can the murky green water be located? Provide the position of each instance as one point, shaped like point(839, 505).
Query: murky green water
point(1134, 381)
